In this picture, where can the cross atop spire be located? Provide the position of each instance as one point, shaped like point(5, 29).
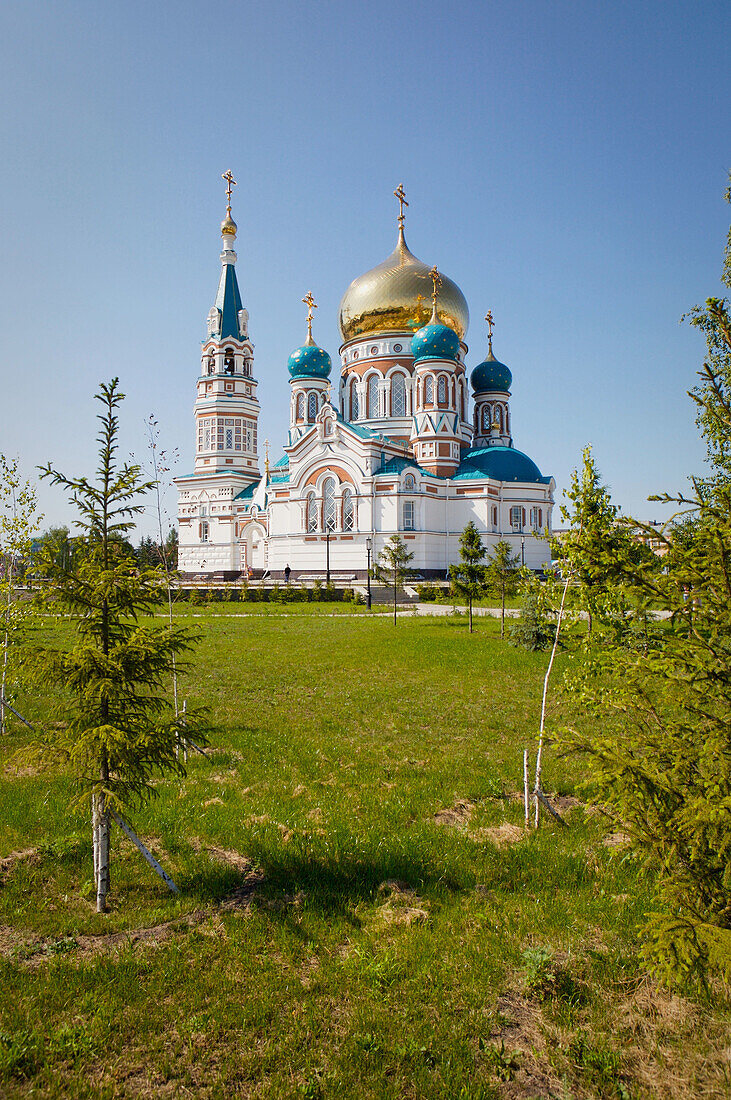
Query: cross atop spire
point(490, 326)
point(311, 304)
point(400, 194)
point(230, 184)
point(436, 283)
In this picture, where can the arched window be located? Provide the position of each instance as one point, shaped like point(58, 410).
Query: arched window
point(373, 396)
point(429, 390)
point(499, 416)
point(300, 406)
point(486, 418)
point(347, 509)
point(211, 365)
point(354, 410)
point(311, 405)
point(311, 512)
point(328, 503)
point(442, 390)
point(398, 395)
point(228, 360)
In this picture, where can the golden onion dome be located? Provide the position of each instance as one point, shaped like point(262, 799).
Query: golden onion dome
point(228, 225)
point(395, 296)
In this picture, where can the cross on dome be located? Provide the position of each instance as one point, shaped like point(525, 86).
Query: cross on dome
point(436, 283)
point(311, 304)
point(400, 194)
point(490, 326)
point(230, 184)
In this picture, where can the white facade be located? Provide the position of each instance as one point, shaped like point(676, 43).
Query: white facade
point(401, 450)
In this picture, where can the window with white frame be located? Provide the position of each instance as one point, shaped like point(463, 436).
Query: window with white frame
point(429, 390)
point(204, 531)
point(311, 512)
point(398, 395)
point(494, 517)
point(348, 517)
point(328, 503)
point(442, 390)
point(536, 518)
point(300, 413)
point(373, 396)
point(354, 410)
point(516, 517)
point(311, 406)
point(409, 524)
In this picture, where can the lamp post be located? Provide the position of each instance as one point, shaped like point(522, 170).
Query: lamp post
point(327, 556)
point(369, 547)
point(522, 550)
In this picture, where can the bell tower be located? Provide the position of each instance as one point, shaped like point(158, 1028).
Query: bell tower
point(226, 415)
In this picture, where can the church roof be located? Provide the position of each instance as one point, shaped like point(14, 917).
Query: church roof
point(228, 300)
point(397, 465)
point(500, 464)
point(248, 492)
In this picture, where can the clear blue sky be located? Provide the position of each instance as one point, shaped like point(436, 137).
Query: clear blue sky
point(565, 164)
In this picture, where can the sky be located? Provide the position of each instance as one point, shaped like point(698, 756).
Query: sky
point(564, 163)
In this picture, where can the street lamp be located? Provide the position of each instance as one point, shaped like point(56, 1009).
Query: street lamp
point(369, 547)
point(522, 550)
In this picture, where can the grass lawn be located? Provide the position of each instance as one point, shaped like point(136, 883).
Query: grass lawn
point(360, 913)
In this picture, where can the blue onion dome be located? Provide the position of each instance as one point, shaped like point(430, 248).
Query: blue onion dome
point(491, 374)
point(309, 361)
point(435, 341)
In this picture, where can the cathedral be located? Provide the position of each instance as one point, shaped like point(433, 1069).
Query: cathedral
point(396, 444)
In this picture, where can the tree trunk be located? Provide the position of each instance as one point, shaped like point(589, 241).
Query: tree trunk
point(502, 612)
point(394, 602)
point(102, 853)
point(6, 647)
point(470, 603)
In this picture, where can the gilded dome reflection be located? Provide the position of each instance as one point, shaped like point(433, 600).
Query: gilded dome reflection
point(396, 296)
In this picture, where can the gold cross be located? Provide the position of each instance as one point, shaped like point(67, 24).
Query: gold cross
point(401, 196)
point(266, 457)
point(311, 304)
point(436, 283)
point(490, 325)
point(230, 184)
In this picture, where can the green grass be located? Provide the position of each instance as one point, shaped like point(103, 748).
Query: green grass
point(381, 953)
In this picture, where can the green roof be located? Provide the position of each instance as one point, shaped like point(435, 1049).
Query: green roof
point(500, 464)
point(248, 492)
point(228, 300)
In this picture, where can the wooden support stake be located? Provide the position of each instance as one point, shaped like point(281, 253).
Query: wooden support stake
point(145, 852)
point(540, 796)
point(4, 703)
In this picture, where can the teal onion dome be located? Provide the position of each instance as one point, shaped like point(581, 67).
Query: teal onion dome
point(435, 341)
point(309, 361)
point(491, 374)
point(501, 464)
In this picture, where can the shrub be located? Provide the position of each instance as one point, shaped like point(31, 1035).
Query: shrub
point(534, 629)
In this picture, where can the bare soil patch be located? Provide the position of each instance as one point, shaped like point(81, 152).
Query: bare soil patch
point(459, 814)
point(500, 835)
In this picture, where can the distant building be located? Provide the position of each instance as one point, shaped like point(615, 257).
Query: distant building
point(402, 448)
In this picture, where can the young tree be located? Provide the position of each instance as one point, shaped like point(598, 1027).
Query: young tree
point(502, 576)
point(659, 756)
point(468, 578)
point(18, 525)
point(392, 567)
point(118, 729)
point(588, 547)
